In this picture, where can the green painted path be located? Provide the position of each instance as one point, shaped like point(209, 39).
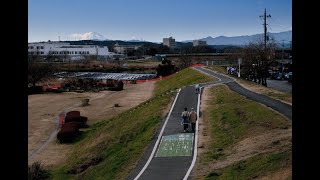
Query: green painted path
point(176, 145)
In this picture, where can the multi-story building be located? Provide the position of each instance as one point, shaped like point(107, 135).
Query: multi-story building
point(170, 42)
point(124, 49)
point(65, 50)
point(199, 43)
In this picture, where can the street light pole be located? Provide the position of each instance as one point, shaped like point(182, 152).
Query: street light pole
point(239, 62)
point(282, 49)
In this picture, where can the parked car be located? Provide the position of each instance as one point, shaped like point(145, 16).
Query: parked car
point(286, 76)
point(270, 72)
point(277, 76)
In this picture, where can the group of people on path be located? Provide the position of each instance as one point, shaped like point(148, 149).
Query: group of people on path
point(188, 117)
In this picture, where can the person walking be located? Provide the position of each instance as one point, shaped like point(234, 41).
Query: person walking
point(197, 86)
point(193, 118)
point(185, 120)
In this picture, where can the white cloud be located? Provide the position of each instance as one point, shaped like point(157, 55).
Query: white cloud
point(88, 36)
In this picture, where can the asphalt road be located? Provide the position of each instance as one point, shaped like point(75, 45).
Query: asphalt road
point(279, 106)
point(172, 167)
point(151, 167)
point(279, 85)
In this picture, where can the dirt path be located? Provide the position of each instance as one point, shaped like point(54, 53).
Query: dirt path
point(281, 96)
point(43, 111)
point(204, 128)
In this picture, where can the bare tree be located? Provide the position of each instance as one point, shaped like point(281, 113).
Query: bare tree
point(256, 61)
point(39, 68)
point(185, 61)
point(232, 55)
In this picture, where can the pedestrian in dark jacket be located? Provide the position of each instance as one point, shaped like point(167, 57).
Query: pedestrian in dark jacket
point(185, 120)
point(197, 86)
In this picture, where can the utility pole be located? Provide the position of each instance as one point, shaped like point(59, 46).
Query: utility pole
point(282, 48)
point(265, 26)
point(265, 16)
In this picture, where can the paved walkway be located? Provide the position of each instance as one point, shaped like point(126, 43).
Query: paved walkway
point(173, 157)
point(171, 154)
point(280, 85)
point(279, 106)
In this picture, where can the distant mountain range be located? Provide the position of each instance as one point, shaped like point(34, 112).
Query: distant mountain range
point(134, 40)
point(281, 37)
point(94, 36)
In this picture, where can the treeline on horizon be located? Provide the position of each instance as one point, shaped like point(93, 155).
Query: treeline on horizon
point(150, 48)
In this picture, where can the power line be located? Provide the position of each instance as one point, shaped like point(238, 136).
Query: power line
point(275, 21)
point(283, 29)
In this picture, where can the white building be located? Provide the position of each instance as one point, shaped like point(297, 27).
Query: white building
point(65, 50)
point(170, 42)
point(124, 49)
point(199, 43)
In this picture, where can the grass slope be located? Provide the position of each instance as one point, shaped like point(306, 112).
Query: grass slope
point(232, 118)
point(110, 149)
point(182, 78)
point(254, 167)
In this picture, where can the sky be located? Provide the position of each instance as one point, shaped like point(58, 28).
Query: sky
point(153, 20)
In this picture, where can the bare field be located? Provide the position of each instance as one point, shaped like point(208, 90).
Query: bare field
point(43, 111)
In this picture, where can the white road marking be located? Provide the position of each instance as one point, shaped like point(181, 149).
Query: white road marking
point(157, 143)
point(195, 141)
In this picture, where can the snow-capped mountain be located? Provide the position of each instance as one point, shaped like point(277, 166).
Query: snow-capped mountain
point(89, 36)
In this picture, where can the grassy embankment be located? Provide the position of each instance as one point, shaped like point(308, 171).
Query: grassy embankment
point(110, 149)
point(231, 118)
point(282, 96)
